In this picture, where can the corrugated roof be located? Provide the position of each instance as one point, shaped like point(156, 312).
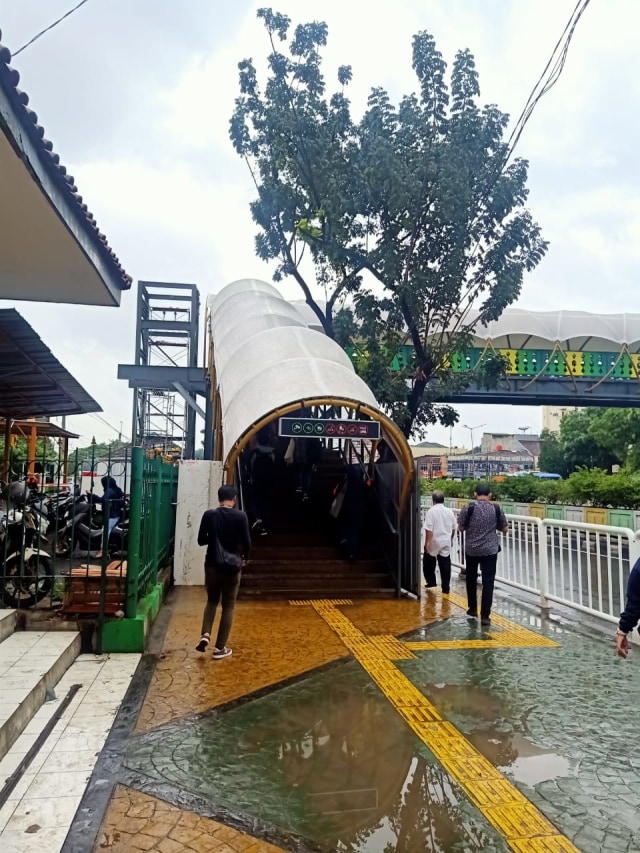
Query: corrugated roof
point(33, 383)
point(28, 120)
point(43, 428)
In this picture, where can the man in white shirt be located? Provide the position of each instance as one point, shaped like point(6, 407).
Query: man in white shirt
point(440, 528)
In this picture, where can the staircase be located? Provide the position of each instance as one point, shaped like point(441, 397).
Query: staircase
point(300, 558)
point(31, 664)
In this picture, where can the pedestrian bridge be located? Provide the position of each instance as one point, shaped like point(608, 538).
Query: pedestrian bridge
point(554, 358)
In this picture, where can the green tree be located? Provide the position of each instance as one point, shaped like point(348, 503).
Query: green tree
point(406, 220)
point(618, 432)
point(594, 438)
point(46, 450)
point(552, 458)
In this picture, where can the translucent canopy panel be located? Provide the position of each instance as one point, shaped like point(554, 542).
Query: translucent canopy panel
point(573, 330)
point(267, 357)
point(286, 382)
point(267, 348)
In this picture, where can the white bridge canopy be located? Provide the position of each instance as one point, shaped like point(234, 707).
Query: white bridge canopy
point(517, 328)
point(266, 357)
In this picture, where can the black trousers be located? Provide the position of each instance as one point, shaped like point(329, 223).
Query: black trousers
point(429, 570)
point(225, 586)
point(487, 565)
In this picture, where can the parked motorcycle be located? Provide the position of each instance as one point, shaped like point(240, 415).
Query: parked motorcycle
point(83, 533)
point(26, 570)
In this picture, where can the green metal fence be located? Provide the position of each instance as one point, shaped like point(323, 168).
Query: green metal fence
point(152, 516)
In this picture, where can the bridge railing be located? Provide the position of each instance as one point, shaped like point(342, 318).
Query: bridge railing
point(582, 566)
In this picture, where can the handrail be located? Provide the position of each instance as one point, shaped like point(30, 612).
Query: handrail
point(394, 548)
point(365, 469)
point(571, 563)
point(239, 486)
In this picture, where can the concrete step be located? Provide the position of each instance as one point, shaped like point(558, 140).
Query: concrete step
point(320, 592)
point(31, 662)
point(39, 810)
point(318, 564)
point(7, 623)
point(315, 580)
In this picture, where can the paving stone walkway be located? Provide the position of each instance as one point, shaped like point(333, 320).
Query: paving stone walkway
point(378, 726)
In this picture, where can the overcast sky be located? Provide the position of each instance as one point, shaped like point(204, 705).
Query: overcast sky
point(136, 97)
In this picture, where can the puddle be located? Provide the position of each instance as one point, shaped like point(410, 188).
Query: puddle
point(493, 726)
point(328, 760)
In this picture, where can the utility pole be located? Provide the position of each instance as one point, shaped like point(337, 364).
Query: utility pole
point(473, 449)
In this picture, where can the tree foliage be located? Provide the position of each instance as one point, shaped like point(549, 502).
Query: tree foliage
point(46, 450)
point(584, 487)
point(593, 438)
point(409, 220)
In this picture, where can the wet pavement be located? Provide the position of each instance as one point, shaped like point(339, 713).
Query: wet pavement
point(378, 726)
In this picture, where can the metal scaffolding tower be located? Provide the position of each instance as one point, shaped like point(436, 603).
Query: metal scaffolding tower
point(165, 374)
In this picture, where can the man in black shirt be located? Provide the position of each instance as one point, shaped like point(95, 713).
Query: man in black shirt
point(630, 617)
point(225, 532)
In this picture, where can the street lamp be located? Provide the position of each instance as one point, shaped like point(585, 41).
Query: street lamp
point(473, 450)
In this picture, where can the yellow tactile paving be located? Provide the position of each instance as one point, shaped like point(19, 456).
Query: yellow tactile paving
point(137, 821)
point(524, 828)
point(271, 642)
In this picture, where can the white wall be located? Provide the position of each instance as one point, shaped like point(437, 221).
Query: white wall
point(198, 484)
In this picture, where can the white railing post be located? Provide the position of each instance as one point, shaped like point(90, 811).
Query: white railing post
point(543, 561)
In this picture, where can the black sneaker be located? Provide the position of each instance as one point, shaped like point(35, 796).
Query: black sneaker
point(472, 615)
point(485, 621)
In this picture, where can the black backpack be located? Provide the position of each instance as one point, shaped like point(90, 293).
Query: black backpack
point(470, 515)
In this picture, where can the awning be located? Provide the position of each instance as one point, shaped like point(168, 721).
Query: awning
point(50, 247)
point(33, 383)
point(44, 429)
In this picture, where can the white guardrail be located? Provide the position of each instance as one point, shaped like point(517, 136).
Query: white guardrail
point(582, 566)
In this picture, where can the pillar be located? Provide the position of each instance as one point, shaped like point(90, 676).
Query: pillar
point(31, 456)
point(7, 450)
point(65, 459)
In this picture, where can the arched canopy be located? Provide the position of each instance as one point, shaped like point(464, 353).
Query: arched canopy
point(269, 362)
point(517, 328)
point(573, 330)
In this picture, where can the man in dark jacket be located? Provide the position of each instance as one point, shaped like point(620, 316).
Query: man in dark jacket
point(481, 522)
point(631, 614)
point(225, 532)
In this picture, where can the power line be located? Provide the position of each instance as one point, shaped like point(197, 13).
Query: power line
point(50, 27)
point(104, 422)
point(548, 78)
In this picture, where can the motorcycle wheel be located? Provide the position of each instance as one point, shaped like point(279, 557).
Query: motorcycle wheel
point(23, 589)
point(63, 546)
